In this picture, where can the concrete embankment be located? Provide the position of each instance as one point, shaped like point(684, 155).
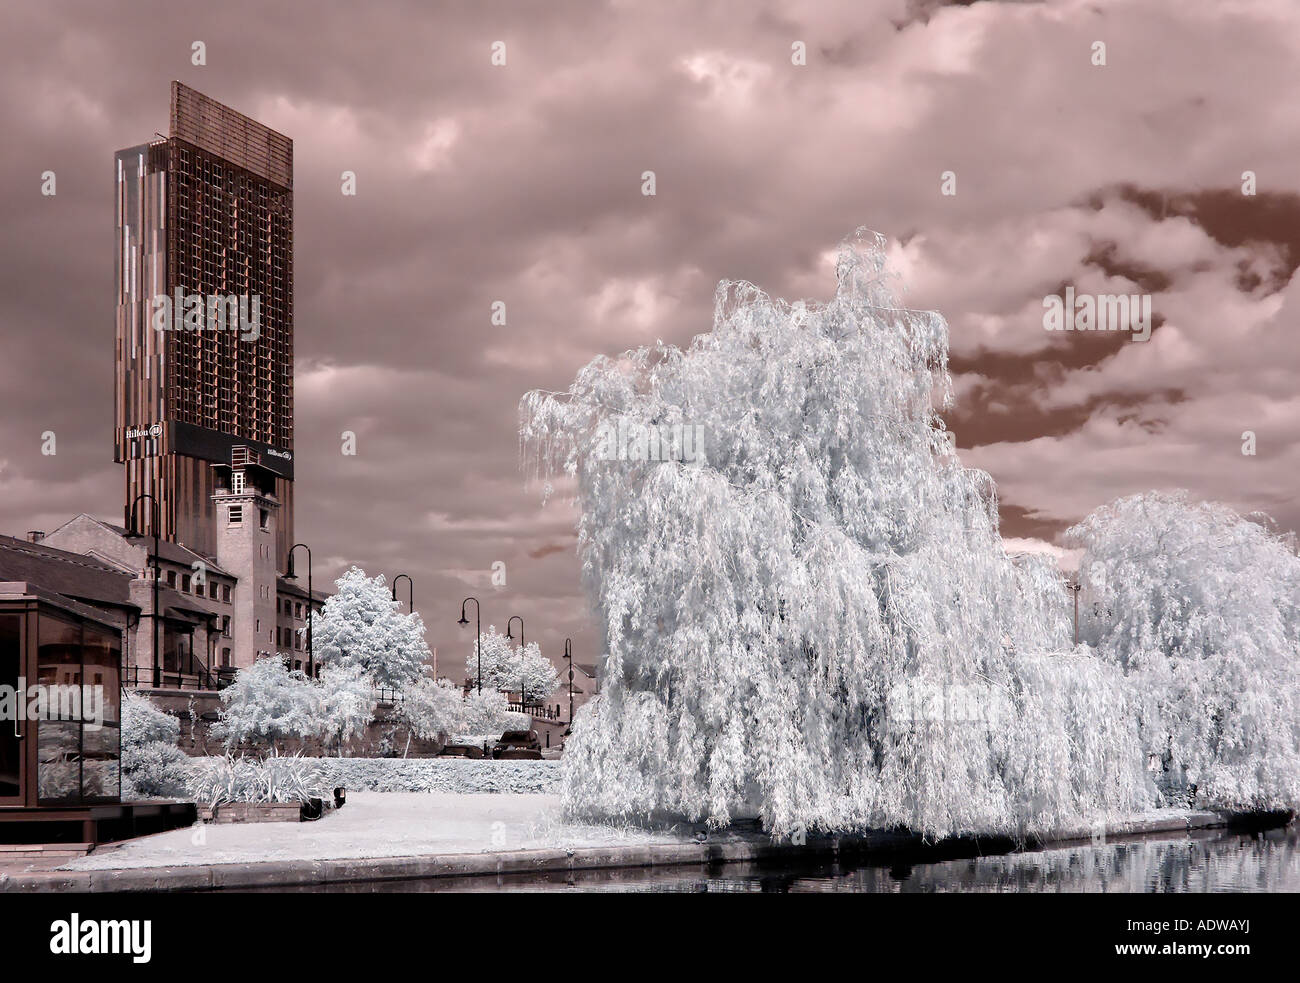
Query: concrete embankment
point(717, 848)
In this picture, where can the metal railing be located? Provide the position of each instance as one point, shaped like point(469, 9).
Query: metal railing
point(198, 678)
point(537, 710)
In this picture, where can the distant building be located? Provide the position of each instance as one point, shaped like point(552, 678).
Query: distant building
point(585, 687)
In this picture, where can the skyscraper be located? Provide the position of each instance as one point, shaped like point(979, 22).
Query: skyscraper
point(204, 361)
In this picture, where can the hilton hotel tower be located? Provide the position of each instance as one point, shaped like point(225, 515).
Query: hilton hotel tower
point(203, 411)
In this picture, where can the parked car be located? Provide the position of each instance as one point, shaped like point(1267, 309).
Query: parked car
point(518, 744)
point(461, 751)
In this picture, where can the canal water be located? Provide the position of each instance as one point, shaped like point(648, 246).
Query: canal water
point(1208, 861)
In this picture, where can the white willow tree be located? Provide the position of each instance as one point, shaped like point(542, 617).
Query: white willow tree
point(768, 599)
point(362, 625)
point(507, 666)
point(1201, 608)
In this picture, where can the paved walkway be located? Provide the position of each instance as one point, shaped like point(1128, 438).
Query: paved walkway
point(378, 836)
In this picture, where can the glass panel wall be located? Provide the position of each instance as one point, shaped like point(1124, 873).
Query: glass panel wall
point(79, 712)
point(11, 745)
point(58, 675)
point(101, 706)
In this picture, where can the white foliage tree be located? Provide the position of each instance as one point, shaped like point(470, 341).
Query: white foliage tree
point(267, 703)
point(489, 712)
point(348, 703)
point(507, 666)
point(767, 604)
point(430, 708)
point(1201, 608)
point(362, 625)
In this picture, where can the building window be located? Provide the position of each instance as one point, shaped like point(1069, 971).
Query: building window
point(225, 658)
point(185, 584)
point(212, 591)
point(297, 610)
point(264, 517)
point(237, 482)
point(171, 578)
point(236, 514)
point(225, 593)
point(225, 625)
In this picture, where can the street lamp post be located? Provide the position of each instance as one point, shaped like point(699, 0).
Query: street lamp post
point(311, 662)
point(1074, 586)
point(568, 654)
point(478, 626)
point(157, 521)
point(512, 620)
point(410, 591)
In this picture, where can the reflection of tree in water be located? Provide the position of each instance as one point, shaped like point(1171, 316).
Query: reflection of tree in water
point(1268, 861)
point(1228, 862)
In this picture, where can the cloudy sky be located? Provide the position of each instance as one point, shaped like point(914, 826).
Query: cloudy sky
point(522, 183)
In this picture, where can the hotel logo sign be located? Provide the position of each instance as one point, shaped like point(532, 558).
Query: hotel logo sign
point(138, 433)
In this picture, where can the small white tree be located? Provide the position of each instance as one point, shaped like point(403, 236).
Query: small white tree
point(362, 625)
point(267, 703)
point(347, 703)
point(489, 713)
point(507, 666)
point(429, 708)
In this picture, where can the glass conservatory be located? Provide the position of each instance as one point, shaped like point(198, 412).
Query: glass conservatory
point(60, 702)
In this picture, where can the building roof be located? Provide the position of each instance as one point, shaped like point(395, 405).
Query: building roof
point(82, 578)
point(70, 574)
point(283, 585)
point(169, 551)
point(19, 589)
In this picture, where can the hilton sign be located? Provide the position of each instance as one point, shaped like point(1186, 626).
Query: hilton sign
point(136, 433)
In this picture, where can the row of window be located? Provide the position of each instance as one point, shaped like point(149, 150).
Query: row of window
point(186, 582)
point(287, 636)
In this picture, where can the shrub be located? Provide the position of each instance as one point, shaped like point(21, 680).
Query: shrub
point(152, 765)
point(289, 778)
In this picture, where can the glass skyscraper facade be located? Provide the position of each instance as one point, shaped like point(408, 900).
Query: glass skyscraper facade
point(204, 337)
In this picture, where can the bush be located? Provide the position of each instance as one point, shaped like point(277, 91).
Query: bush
point(152, 765)
point(291, 778)
point(454, 775)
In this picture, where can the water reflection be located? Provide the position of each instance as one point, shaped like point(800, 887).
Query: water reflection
point(1210, 861)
